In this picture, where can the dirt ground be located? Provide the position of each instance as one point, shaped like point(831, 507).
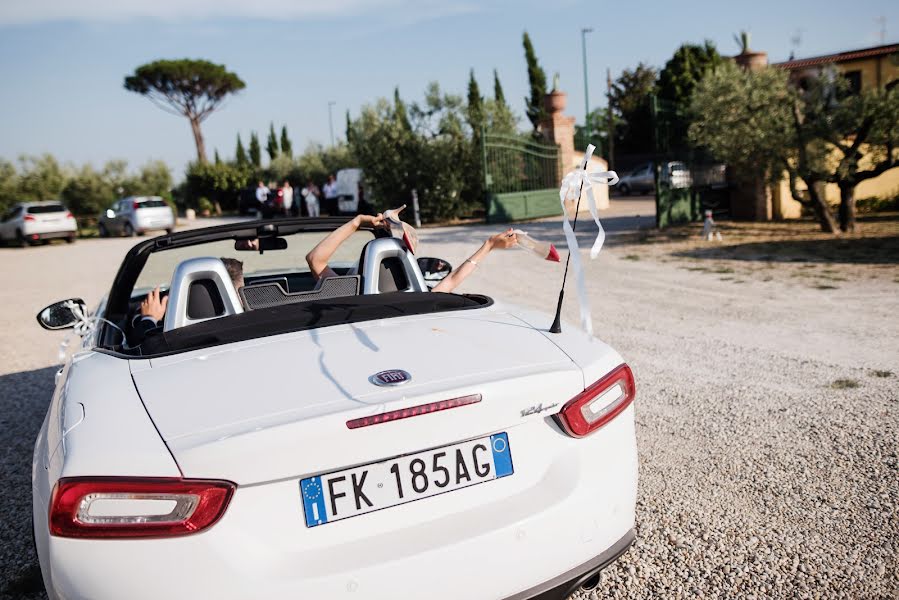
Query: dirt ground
point(767, 369)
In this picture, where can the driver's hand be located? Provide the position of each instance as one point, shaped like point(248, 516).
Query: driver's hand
point(153, 307)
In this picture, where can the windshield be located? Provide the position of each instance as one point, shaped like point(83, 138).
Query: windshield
point(151, 204)
point(289, 263)
point(41, 209)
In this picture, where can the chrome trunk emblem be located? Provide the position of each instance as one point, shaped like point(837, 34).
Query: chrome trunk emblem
point(391, 377)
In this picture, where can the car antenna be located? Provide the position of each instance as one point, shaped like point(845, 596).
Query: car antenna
point(556, 327)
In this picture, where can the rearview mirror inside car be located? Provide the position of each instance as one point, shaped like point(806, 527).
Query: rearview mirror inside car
point(63, 314)
point(261, 244)
point(434, 270)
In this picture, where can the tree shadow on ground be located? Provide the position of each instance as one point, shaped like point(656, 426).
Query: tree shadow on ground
point(862, 250)
point(26, 396)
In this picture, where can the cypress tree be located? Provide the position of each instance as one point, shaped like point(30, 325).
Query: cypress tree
point(286, 146)
point(399, 108)
point(255, 150)
point(271, 146)
point(218, 159)
point(240, 155)
point(475, 109)
point(498, 94)
point(537, 81)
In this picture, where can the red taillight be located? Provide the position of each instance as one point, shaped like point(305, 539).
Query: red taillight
point(125, 507)
point(136, 205)
point(28, 218)
point(413, 411)
point(69, 215)
point(599, 403)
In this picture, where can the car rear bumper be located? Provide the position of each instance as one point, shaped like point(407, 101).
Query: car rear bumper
point(561, 587)
point(562, 517)
point(52, 235)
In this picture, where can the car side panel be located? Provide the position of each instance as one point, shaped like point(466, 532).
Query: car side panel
point(95, 425)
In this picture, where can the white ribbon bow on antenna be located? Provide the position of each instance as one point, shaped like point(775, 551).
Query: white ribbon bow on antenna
point(572, 185)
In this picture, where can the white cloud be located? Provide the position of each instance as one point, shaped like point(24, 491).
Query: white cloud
point(17, 12)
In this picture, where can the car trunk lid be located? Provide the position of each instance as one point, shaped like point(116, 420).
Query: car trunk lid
point(278, 407)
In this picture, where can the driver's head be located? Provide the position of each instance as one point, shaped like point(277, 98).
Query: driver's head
point(235, 271)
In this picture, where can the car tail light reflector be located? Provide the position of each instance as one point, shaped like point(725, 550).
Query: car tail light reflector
point(135, 204)
point(69, 215)
point(413, 411)
point(28, 218)
point(599, 403)
point(124, 507)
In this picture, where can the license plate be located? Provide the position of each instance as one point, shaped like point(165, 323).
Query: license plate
point(375, 486)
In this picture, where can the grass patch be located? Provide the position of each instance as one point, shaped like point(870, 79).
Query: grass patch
point(632, 257)
point(880, 373)
point(844, 384)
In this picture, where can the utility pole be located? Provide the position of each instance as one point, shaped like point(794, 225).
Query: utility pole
point(331, 120)
point(611, 123)
point(584, 33)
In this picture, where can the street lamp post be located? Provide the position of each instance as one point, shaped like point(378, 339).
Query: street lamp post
point(331, 120)
point(584, 33)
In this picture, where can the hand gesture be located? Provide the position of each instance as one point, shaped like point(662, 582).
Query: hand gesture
point(153, 307)
point(375, 221)
point(503, 240)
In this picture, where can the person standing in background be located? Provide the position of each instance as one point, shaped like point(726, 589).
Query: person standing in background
point(311, 193)
point(287, 198)
point(330, 190)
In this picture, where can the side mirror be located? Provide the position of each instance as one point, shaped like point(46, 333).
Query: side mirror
point(63, 314)
point(434, 270)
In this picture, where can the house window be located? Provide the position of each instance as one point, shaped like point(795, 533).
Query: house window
point(854, 78)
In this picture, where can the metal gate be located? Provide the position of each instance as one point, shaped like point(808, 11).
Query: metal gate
point(521, 177)
point(686, 182)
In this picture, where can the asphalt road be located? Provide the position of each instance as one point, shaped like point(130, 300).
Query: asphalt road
point(759, 476)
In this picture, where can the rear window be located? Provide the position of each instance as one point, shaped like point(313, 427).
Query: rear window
point(46, 208)
point(151, 203)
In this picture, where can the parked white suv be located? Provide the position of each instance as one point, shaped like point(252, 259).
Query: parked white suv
point(32, 222)
point(136, 214)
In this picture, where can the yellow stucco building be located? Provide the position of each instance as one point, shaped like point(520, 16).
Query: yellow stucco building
point(864, 69)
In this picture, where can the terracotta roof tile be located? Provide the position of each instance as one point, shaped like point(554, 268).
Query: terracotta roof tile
point(839, 57)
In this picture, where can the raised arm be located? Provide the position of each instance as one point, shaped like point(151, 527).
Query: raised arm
point(503, 240)
point(319, 256)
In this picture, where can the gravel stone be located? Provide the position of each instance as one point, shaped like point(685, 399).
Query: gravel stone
point(757, 479)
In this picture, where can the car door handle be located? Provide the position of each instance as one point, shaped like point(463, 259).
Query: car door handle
point(58, 375)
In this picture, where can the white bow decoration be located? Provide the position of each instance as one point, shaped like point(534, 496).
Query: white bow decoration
point(572, 185)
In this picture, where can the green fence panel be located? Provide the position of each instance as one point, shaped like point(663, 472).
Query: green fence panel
point(517, 206)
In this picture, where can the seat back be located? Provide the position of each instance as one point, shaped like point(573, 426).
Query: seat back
point(386, 266)
point(201, 290)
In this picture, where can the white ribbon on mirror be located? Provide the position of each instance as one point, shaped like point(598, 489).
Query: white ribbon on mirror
point(573, 185)
point(84, 327)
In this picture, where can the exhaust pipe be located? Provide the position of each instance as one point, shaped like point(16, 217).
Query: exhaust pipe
point(591, 583)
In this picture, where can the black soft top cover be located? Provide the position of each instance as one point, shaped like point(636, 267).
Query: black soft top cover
point(307, 315)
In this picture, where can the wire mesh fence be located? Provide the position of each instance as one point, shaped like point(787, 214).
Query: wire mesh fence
point(517, 163)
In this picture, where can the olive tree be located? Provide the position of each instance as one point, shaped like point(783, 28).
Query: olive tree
point(190, 88)
point(758, 122)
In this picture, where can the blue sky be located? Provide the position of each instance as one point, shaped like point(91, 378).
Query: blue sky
point(62, 63)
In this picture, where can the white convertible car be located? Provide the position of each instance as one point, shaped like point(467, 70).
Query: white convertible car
point(361, 438)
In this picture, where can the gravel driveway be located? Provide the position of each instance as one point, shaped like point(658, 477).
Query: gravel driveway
point(767, 412)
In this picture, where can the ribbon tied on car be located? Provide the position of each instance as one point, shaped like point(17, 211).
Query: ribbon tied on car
point(573, 185)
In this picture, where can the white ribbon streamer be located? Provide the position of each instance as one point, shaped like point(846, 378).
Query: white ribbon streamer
point(573, 184)
point(83, 327)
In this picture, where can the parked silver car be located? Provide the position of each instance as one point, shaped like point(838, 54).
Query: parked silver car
point(641, 181)
point(32, 222)
point(136, 214)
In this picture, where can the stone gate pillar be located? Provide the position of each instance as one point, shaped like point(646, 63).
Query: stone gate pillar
point(558, 129)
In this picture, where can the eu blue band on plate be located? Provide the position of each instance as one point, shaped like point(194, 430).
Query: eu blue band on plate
point(502, 455)
point(313, 501)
